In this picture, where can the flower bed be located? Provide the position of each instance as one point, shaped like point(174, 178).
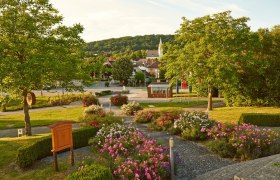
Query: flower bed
point(131, 108)
point(243, 141)
point(135, 156)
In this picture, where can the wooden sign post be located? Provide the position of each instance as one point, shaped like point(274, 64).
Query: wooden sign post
point(62, 139)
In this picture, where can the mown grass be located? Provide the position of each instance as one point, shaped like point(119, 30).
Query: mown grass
point(232, 114)
point(41, 118)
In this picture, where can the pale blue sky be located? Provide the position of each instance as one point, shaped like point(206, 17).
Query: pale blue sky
point(103, 19)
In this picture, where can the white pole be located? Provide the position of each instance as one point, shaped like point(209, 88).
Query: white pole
point(171, 145)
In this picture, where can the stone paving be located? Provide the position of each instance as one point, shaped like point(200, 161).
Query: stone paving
point(192, 159)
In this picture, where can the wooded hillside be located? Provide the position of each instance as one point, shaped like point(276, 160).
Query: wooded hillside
point(128, 43)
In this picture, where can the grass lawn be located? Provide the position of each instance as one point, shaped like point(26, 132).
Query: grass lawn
point(232, 114)
point(172, 104)
point(8, 169)
point(41, 118)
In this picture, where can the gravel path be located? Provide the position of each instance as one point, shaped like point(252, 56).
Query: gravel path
point(192, 159)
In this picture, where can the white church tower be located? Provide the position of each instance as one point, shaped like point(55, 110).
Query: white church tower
point(160, 50)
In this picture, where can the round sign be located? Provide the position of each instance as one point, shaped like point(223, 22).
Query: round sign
point(31, 98)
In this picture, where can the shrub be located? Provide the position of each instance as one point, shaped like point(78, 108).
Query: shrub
point(146, 116)
point(103, 93)
point(64, 99)
point(131, 108)
point(243, 141)
point(258, 119)
point(89, 99)
point(193, 125)
point(94, 110)
point(107, 84)
point(93, 172)
point(252, 142)
point(28, 154)
point(135, 156)
point(164, 121)
point(119, 100)
point(125, 91)
point(112, 131)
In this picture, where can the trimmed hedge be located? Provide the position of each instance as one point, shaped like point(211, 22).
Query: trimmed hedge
point(258, 119)
point(103, 93)
point(92, 172)
point(28, 154)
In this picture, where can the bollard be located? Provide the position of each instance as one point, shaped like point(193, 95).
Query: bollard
point(171, 145)
point(110, 106)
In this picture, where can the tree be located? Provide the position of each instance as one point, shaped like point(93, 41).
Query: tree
point(207, 51)
point(139, 77)
point(122, 70)
point(37, 49)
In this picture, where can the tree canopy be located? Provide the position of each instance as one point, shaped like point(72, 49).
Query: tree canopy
point(37, 49)
point(207, 50)
point(122, 69)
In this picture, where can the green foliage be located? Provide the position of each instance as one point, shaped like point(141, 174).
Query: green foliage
point(122, 70)
point(206, 51)
point(272, 120)
point(64, 99)
point(103, 93)
point(146, 42)
point(92, 172)
point(90, 99)
point(28, 154)
point(118, 100)
point(222, 147)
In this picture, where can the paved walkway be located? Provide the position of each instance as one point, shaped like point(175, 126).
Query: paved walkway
point(191, 159)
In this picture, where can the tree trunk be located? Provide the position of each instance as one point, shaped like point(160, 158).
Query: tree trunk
point(26, 114)
point(210, 104)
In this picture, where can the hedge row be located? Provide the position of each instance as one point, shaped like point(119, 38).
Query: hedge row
point(28, 154)
point(272, 120)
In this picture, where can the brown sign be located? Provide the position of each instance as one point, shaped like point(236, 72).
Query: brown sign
point(62, 139)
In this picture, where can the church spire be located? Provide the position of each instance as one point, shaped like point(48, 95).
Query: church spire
point(160, 50)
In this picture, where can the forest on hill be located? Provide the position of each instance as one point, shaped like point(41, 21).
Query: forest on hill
point(127, 44)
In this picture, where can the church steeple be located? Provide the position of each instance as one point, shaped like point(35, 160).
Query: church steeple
point(160, 50)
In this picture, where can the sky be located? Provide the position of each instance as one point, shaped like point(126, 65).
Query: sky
point(104, 19)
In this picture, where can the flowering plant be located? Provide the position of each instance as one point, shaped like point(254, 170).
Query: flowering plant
point(192, 125)
point(146, 116)
point(94, 109)
point(135, 156)
point(252, 142)
point(114, 130)
point(131, 108)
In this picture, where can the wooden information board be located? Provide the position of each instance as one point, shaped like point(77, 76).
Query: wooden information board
point(62, 139)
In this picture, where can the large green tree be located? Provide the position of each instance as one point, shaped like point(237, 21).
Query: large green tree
point(122, 70)
point(207, 50)
point(37, 49)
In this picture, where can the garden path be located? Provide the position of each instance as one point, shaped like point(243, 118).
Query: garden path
point(191, 159)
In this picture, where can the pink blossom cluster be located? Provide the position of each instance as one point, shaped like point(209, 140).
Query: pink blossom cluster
point(219, 130)
point(137, 157)
point(249, 140)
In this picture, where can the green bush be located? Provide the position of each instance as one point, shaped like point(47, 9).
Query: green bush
point(63, 100)
point(103, 93)
point(28, 154)
point(92, 172)
point(258, 119)
point(222, 147)
point(94, 119)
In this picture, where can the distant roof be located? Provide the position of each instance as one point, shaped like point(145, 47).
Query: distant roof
point(154, 65)
point(152, 53)
point(159, 85)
